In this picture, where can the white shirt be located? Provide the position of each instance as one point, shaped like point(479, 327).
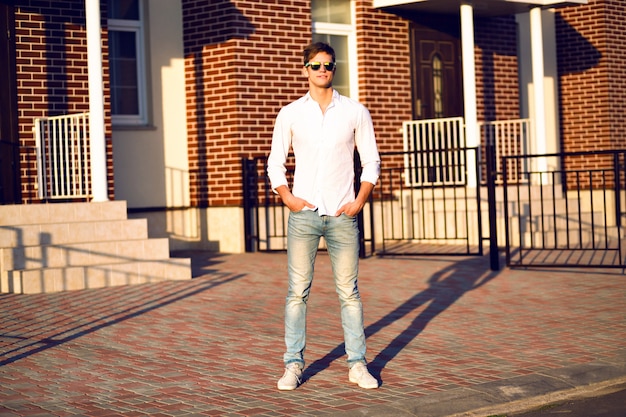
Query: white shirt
point(323, 145)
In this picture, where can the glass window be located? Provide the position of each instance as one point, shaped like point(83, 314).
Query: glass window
point(123, 64)
point(123, 9)
point(332, 23)
point(331, 11)
point(126, 63)
point(437, 86)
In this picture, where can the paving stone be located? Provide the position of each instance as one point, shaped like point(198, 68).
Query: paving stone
point(445, 335)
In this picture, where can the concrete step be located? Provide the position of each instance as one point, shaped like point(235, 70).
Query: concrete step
point(46, 280)
point(72, 246)
point(76, 232)
point(23, 214)
point(83, 254)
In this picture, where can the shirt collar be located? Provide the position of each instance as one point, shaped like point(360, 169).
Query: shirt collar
point(308, 97)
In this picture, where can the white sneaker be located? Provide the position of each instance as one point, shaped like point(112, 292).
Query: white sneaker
point(360, 375)
point(291, 378)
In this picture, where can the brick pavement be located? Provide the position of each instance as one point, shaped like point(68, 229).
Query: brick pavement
point(445, 336)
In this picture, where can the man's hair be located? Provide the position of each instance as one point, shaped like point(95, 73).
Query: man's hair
point(315, 48)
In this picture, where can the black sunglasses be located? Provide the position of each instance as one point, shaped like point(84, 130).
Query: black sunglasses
point(317, 65)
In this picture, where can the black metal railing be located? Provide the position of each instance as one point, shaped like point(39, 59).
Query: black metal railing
point(265, 216)
point(560, 209)
point(567, 211)
point(423, 206)
point(434, 218)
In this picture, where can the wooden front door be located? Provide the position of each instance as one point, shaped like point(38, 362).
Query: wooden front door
point(9, 140)
point(436, 69)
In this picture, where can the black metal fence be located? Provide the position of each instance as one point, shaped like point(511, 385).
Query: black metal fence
point(265, 217)
point(567, 211)
point(557, 210)
point(423, 206)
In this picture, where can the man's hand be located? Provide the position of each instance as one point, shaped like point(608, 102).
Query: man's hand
point(292, 202)
point(350, 209)
point(297, 204)
point(353, 208)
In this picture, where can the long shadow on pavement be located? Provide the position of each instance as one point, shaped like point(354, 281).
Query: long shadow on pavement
point(44, 321)
point(445, 288)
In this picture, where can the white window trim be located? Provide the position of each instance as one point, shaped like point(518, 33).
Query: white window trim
point(136, 26)
point(350, 32)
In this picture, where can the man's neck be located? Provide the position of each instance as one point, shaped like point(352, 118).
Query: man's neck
point(323, 96)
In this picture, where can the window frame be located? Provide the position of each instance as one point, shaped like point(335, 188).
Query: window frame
point(349, 31)
point(136, 27)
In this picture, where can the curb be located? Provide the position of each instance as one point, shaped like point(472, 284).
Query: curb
point(513, 395)
point(528, 404)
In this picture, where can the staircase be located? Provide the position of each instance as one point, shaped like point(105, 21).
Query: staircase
point(72, 246)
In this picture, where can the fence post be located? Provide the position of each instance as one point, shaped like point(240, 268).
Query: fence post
point(618, 169)
point(490, 155)
point(360, 218)
point(617, 173)
point(250, 201)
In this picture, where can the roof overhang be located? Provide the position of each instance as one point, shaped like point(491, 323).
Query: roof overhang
point(481, 7)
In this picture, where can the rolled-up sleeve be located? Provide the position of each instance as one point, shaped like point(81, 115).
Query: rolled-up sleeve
point(365, 139)
point(281, 143)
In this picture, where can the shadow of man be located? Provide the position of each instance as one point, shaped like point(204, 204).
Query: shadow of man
point(445, 288)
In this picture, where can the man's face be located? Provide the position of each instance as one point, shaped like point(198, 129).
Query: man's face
point(321, 77)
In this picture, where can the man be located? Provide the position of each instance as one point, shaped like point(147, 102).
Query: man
point(323, 128)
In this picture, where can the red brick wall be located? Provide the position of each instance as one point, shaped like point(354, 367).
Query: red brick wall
point(616, 62)
point(591, 60)
point(51, 59)
point(584, 71)
point(243, 63)
point(497, 85)
point(384, 72)
point(235, 88)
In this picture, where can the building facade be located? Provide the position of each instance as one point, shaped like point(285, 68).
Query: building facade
point(191, 87)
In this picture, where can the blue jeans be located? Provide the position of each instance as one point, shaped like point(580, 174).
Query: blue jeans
point(305, 228)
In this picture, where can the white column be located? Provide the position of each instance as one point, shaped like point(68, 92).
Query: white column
point(96, 103)
point(539, 116)
point(472, 135)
